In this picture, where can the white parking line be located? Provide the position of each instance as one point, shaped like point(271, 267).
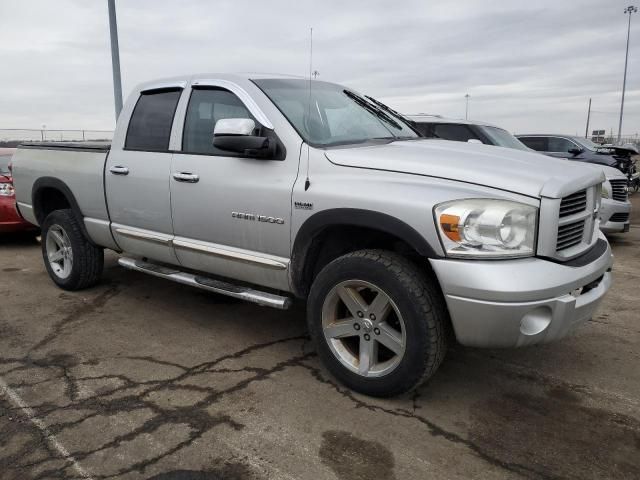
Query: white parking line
point(51, 439)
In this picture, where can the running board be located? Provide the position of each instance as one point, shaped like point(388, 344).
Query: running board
point(236, 291)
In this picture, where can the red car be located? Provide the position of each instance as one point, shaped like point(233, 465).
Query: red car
point(10, 219)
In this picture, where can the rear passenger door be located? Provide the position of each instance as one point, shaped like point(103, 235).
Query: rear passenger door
point(137, 178)
point(231, 215)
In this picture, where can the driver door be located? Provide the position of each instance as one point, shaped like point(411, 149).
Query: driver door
point(230, 213)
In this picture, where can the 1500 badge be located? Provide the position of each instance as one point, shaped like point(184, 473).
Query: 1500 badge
point(260, 218)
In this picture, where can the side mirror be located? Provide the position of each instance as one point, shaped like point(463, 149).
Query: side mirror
point(474, 140)
point(236, 135)
point(575, 151)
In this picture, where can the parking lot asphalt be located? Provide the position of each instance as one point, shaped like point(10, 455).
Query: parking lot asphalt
point(140, 378)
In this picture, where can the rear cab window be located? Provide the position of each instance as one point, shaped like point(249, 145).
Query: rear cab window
point(150, 124)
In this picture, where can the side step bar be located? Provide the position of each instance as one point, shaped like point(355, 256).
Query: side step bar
point(236, 291)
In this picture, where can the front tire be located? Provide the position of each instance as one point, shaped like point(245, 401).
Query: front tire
point(378, 322)
point(71, 260)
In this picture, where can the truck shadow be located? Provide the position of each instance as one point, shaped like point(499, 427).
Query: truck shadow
point(21, 239)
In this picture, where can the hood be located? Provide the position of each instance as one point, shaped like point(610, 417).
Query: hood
point(517, 171)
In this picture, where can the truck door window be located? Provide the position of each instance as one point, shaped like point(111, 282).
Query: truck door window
point(539, 144)
point(206, 107)
point(150, 124)
point(458, 133)
point(557, 144)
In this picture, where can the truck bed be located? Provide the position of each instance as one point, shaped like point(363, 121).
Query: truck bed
point(77, 167)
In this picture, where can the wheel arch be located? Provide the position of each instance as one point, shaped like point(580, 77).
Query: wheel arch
point(49, 194)
point(346, 230)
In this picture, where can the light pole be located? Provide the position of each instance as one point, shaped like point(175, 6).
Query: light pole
point(466, 108)
point(115, 58)
point(629, 10)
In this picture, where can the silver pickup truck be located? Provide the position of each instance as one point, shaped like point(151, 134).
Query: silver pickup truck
point(270, 188)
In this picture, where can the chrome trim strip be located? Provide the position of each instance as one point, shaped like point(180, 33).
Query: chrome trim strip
point(143, 236)
point(230, 254)
point(242, 94)
point(96, 221)
point(244, 293)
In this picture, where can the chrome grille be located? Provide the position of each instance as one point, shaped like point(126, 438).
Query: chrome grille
point(574, 203)
point(568, 226)
point(619, 190)
point(569, 235)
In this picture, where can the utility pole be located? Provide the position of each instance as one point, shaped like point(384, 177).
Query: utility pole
point(629, 10)
point(115, 58)
point(466, 108)
point(586, 130)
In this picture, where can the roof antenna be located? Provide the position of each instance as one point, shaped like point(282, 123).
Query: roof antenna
point(307, 182)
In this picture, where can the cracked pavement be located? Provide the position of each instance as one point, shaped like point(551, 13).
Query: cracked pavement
point(140, 378)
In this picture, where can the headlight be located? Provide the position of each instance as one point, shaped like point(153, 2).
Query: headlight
point(6, 190)
point(605, 192)
point(487, 228)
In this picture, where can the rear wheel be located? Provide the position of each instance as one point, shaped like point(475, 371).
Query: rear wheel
point(72, 261)
point(378, 322)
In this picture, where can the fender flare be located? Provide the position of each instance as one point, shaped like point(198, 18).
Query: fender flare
point(349, 217)
point(55, 183)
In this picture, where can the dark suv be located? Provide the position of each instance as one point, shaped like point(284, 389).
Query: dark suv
point(570, 147)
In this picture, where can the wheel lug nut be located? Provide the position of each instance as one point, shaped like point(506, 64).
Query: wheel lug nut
point(367, 337)
point(376, 331)
point(372, 317)
point(360, 314)
point(356, 326)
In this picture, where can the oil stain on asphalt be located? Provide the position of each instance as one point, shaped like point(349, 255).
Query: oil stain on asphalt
point(558, 436)
point(352, 458)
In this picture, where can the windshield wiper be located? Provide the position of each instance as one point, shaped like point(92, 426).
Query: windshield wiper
point(377, 111)
point(390, 110)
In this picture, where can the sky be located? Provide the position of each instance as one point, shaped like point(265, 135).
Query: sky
point(528, 66)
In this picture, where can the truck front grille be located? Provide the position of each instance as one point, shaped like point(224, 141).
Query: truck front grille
point(569, 235)
point(574, 203)
point(568, 226)
point(619, 190)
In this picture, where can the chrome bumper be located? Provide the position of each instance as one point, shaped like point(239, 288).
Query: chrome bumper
point(513, 303)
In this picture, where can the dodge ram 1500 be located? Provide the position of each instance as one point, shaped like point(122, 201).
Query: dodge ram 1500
point(269, 188)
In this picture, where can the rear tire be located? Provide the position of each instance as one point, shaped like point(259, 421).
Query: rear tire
point(72, 261)
point(378, 322)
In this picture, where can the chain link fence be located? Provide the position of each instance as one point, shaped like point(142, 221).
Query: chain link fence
point(12, 137)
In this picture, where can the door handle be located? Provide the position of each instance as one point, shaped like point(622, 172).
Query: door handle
point(186, 177)
point(119, 170)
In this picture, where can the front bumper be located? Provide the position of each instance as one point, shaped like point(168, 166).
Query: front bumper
point(614, 216)
point(513, 303)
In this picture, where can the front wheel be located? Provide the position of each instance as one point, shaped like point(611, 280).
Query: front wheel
point(72, 261)
point(378, 322)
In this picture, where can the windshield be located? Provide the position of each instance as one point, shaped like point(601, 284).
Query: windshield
point(586, 143)
point(502, 138)
point(331, 115)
